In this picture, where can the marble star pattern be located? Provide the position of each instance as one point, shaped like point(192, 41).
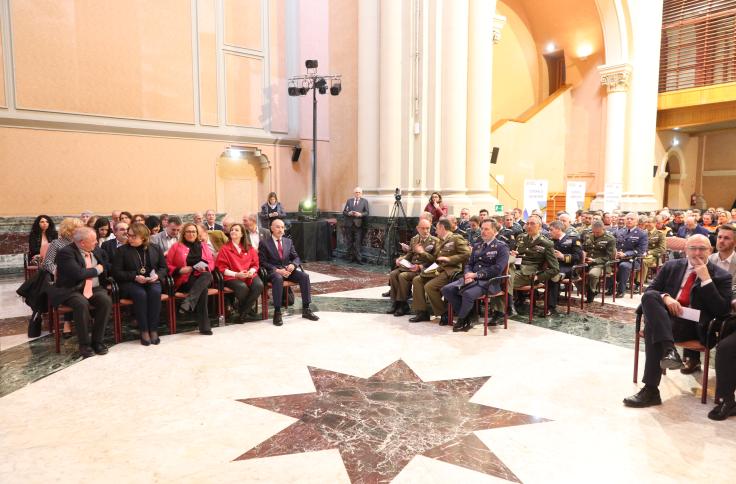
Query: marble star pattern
point(380, 423)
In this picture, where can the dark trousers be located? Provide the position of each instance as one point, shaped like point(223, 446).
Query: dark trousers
point(726, 364)
point(80, 305)
point(277, 283)
point(146, 303)
point(354, 240)
point(246, 295)
point(661, 327)
point(554, 287)
point(197, 298)
point(624, 272)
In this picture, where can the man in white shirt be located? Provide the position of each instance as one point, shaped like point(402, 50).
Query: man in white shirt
point(725, 258)
point(169, 236)
point(254, 234)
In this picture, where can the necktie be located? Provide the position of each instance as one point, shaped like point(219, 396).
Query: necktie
point(281, 249)
point(355, 203)
point(684, 297)
point(87, 291)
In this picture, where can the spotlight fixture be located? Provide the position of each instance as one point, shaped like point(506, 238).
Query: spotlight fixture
point(311, 63)
point(336, 87)
point(321, 85)
point(305, 88)
point(551, 47)
point(293, 90)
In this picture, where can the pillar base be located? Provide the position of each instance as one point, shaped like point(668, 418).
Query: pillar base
point(630, 202)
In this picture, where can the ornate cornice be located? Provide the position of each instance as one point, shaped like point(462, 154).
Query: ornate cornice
point(616, 77)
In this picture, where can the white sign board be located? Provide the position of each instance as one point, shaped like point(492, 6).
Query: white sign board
point(535, 197)
point(612, 196)
point(575, 197)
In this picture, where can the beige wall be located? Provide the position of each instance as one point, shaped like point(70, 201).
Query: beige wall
point(719, 168)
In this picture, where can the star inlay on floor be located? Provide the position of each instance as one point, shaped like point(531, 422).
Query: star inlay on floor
point(380, 423)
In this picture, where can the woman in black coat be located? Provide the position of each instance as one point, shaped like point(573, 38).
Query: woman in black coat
point(139, 268)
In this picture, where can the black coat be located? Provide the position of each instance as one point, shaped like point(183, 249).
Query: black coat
point(71, 272)
point(110, 247)
point(127, 263)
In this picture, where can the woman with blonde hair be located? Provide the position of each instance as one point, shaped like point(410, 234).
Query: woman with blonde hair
point(140, 267)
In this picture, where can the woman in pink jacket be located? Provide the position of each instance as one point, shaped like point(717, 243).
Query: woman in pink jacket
point(190, 263)
point(238, 262)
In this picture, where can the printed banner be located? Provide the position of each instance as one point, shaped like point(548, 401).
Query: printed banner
point(575, 198)
point(535, 197)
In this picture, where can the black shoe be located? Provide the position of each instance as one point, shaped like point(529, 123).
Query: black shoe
point(308, 314)
point(496, 318)
point(156, 341)
point(251, 316)
point(402, 310)
point(394, 307)
point(206, 332)
point(589, 295)
point(86, 352)
point(386, 294)
point(647, 397)
point(467, 326)
point(552, 312)
point(723, 410)
point(421, 316)
point(671, 360)
point(184, 308)
point(461, 322)
point(99, 348)
point(690, 366)
point(609, 292)
point(619, 294)
point(145, 342)
point(444, 321)
point(277, 321)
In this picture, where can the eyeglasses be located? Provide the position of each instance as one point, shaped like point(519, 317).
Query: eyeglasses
point(698, 249)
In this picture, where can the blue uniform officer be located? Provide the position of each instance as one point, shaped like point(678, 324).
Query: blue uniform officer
point(631, 242)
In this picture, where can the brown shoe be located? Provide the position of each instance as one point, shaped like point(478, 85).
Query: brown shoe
point(690, 366)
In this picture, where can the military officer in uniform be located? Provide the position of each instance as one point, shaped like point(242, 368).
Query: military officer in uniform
point(489, 259)
point(408, 266)
point(537, 255)
point(569, 251)
point(567, 227)
point(657, 246)
point(510, 231)
point(631, 242)
point(450, 254)
point(600, 248)
point(584, 229)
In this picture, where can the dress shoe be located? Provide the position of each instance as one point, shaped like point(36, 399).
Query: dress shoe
point(690, 366)
point(308, 314)
point(444, 321)
point(459, 325)
point(386, 294)
point(155, 339)
point(723, 410)
point(277, 320)
point(206, 332)
point(647, 397)
point(421, 316)
point(589, 295)
point(250, 316)
point(552, 312)
point(619, 294)
point(467, 326)
point(671, 360)
point(145, 342)
point(496, 318)
point(402, 310)
point(86, 352)
point(99, 348)
point(393, 308)
point(185, 308)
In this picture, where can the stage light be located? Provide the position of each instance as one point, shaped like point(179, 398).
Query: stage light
point(321, 85)
point(336, 88)
point(551, 47)
point(307, 203)
point(305, 88)
point(311, 63)
point(293, 90)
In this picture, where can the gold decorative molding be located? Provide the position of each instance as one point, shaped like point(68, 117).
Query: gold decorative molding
point(697, 96)
point(616, 77)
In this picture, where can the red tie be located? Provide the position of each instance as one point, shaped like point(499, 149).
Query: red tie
point(87, 291)
point(684, 297)
point(281, 249)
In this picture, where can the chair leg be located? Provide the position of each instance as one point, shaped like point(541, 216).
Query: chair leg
point(546, 299)
point(615, 288)
point(172, 315)
point(706, 363)
point(264, 302)
point(450, 315)
point(57, 330)
point(568, 290)
point(584, 286)
point(637, 339)
point(485, 317)
point(531, 303)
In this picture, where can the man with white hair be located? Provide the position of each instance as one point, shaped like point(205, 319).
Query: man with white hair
point(691, 227)
point(80, 268)
point(631, 242)
point(255, 235)
point(356, 209)
point(691, 282)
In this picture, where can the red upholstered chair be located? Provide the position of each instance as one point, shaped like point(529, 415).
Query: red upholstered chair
point(613, 265)
point(212, 291)
point(578, 279)
point(267, 288)
point(531, 289)
point(695, 345)
point(485, 299)
point(223, 310)
point(632, 276)
point(29, 268)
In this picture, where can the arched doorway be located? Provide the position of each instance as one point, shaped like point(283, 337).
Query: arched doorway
point(673, 170)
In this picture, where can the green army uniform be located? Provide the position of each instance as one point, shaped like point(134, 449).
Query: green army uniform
point(456, 248)
point(656, 249)
point(602, 250)
point(534, 253)
point(400, 278)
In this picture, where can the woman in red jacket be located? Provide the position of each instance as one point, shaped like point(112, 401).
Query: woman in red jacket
point(436, 207)
point(191, 264)
point(238, 262)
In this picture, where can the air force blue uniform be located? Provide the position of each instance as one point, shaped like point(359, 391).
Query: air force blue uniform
point(633, 243)
point(487, 260)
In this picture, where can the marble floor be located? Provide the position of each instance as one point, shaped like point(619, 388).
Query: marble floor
point(358, 396)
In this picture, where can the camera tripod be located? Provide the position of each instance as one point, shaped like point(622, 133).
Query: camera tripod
point(389, 247)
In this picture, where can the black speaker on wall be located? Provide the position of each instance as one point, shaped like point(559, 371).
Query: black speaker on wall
point(295, 154)
point(494, 155)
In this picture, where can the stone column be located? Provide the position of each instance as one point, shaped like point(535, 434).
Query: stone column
point(616, 78)
point(480, 88)
point(368, 95)
point(454, 92)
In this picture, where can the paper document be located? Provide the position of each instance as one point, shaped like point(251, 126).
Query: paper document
point(517, 261)
point(431, 268)
point(690, 314)
point(406, 263)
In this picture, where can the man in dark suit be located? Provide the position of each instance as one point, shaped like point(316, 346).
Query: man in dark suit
point(355, 210)
point(210, 223)
point(80, 269)
point(691, 282)
point(255, 234)
point(278, 255)
point(110, 247)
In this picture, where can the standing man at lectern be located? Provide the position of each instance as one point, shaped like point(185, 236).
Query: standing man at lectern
point(355, 210)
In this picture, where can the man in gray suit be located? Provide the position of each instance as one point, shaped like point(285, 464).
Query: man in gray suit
point(255, 234)
point(355, 210)
point(725, 258)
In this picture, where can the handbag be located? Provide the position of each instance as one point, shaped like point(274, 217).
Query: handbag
point(34, 325)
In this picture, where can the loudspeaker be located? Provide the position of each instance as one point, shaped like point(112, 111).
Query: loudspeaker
point(295, 154)
point(494, 155)
point(655, 171)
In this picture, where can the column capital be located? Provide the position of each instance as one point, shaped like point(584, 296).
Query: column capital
point(498, 22)
point(616, 77)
